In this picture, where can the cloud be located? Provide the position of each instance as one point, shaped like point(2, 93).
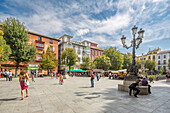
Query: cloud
point(103, 22)
point(81, 32)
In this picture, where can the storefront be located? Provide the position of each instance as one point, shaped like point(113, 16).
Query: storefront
point(33, 68)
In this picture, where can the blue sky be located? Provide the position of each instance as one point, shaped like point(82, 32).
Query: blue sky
point(100, 21)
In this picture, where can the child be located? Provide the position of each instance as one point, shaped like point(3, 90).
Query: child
point(61, 80)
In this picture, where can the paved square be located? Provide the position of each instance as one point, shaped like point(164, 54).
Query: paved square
point(76, 96)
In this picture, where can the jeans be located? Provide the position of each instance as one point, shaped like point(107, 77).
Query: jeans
point(135, 89)
point(92, 83)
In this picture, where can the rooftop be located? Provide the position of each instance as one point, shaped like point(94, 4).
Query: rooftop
point(30, 32)
point(161, 52)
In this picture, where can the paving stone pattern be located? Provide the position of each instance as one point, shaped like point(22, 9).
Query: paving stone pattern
point(76, 96)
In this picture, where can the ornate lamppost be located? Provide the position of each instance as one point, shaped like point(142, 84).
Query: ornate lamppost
point(135, 44)
point(65, 70)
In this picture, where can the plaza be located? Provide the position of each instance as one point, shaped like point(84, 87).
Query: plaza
point(76, 96)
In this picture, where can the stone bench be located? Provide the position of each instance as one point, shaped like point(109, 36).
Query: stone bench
point(168, 80)
point(143, 89)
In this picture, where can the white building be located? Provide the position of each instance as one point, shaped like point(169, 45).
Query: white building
point(162, 60)
point(82, 49)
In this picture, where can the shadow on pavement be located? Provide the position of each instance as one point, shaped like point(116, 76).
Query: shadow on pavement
point(85, 87)
point(9, 99)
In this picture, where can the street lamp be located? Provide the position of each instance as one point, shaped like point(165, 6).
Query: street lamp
point(65, 71)
point(135, 44)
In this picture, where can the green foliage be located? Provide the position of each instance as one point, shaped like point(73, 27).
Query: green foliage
point(16, 37)
point(161, 70)
point(86, 63)
point(127, 60)
point(116, 58)
point(5, 50)
point(92, 65)
point(138, 63)
point(169, 63)
point(102, 62)
point(71, 57)
point(153, 77)
point(150, 64)
point(49, 60)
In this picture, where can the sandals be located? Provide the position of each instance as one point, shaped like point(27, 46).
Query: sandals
point(22, 98)
point(26, 95)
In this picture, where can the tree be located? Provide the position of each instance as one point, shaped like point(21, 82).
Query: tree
point(169, 63)
point(49, 60)
point(127, 60)
point(150, 64)
point(70, 56)
point(16, 37)
point(92, 65)
point(116, 58)
point(5, 50)
point(86, 63)
point(102, 62)
point(138, 63)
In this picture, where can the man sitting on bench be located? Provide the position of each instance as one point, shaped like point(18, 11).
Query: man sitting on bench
point(134, 87)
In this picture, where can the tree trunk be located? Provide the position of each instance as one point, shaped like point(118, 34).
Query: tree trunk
point(69, 70)
point(16, 69)
point(48, 72)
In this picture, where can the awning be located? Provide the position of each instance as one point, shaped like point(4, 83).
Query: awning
point(77, 70)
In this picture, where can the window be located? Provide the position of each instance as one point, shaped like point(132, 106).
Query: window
point(158, 57)
point(164, 56)
point(100, 53)
point(39, 38)
point(149, 57)
point(40, 45)
point(40, 48)
point(79, 59)
point(164, 61)
point(164, 68)
point(91, 51)
point(94, 52)
point(39, 57)
point(154, 57)
point(159, 62)
point(159, 67)
point(78, 50)
point(51, 48)
point(51, 41)
point(97, 53)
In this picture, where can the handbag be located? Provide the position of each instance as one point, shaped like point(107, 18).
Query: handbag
point(26, 83)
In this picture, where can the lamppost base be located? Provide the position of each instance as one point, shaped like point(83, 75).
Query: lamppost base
point(130, 78)
point(65, 76)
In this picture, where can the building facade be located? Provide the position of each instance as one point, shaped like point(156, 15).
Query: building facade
point(82, 49)
point(41, 42)
point(95, 51)
point(162, 60)
point(152, 55)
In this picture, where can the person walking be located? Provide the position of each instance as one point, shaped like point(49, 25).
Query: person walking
point(61, 79)
point(32, 76)
point(10, 76)
point(92, 80)
point(7, 75)
point(23, 78)
point(98, 76)
point(145, 83)
point(51, 75)
point(134, 87)
point(110, 75)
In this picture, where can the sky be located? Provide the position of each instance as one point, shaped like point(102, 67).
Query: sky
point(100, 21)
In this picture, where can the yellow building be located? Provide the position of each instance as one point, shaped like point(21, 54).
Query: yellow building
point(152, 55)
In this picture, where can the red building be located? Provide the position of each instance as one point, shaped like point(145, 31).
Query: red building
point(42, 42)
point(95, 51)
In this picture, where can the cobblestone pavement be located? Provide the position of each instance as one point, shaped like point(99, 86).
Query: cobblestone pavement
point(76, 96)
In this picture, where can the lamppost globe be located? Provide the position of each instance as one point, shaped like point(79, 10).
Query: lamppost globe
point(134, 29)
point(138, 40)
point(141, 32)
point(123, 40)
